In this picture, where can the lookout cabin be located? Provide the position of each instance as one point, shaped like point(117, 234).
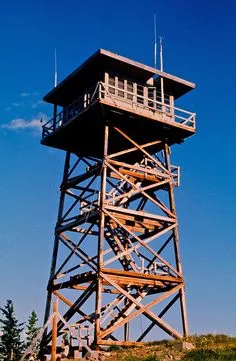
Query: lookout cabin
point(111, 88)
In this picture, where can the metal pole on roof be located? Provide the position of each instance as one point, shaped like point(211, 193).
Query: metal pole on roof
point(155, 42)
point(55, 84)
point(161, 53)
point(55, 68)
point(161, 68)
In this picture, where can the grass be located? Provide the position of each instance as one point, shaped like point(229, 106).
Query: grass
point(147, 358)
point(207, 348)
point(210, 340)
point(210, 355)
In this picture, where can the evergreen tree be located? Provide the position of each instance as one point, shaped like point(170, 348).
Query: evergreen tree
point(11, 345)
point(31, 332)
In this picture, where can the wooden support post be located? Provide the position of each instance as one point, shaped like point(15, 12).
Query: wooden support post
point(55, 252)
point(101, 238)
point(126, 329)
point(118, 214)
point(54, 331)
point(176, 245)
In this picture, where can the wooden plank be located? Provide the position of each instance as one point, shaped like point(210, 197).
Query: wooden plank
point(150, 116)
point(136, 227)
point(145, 221)
point(145, 245)
point(140, 275)
point(139, 245)
point(145, 310)
point(145, 170)
point(139, 190)
point(139, 214)
point(136, 175)
point(124, 281)
point(120, 343)
point(140, 311)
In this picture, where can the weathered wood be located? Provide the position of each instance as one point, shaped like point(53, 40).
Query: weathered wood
point(120, 343)
point(176, 246)
point(134, 149)
point(98, 305)
point(117, 206)
point(144, 170)
point(139, 214)
point(130, 274)
point(139, 245)
point(54, 331)
point(140, 311)
point(146, 310)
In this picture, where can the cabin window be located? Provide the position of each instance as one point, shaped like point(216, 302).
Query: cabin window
point(111, 82)
point(151, 96)
point(158, 99)
point(167, 101)
point(130, 89)
point(140, 94)
point(121, 85)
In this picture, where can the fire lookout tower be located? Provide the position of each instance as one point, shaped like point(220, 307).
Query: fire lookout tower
point(116, 258)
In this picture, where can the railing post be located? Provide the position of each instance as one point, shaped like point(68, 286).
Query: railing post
point(100, 91)
point(54, 117)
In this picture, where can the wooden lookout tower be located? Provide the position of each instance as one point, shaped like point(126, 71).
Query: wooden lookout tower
point(116, 261)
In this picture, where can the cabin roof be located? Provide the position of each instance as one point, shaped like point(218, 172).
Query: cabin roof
point(104, 60)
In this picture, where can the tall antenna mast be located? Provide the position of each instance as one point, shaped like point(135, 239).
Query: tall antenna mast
point(55, 69)
point(161, 68)
point(55, 84)
point(155, 42)
point(161, 53)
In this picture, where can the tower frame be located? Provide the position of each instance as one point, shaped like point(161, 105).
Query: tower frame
point(123, 198)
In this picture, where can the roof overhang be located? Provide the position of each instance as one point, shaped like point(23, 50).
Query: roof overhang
point(104, 60)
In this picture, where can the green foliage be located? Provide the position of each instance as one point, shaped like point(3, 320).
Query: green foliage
point(209, 340)
point(208, 348)
point(31, 332)
point(166, 343)
point(114, 348)
point(211, 355)
point(31, 328)
point(11, 346)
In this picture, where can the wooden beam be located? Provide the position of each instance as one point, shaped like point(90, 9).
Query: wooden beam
point(145, 310)
point(120, 343)
point(139, 275)
point(54, 331)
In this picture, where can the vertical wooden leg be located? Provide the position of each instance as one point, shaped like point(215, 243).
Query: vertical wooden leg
point(54, 331)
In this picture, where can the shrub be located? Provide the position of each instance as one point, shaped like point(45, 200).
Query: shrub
point(210, 355)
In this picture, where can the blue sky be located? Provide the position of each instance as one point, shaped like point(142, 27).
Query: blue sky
point(199, 45)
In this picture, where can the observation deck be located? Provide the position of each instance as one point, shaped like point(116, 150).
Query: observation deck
point(109, 87)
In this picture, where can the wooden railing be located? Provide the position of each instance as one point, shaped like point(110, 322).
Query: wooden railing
point(121, 98)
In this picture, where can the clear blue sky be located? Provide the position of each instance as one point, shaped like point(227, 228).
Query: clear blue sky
point(199, 45)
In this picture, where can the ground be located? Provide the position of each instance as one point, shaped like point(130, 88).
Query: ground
point(206, 348)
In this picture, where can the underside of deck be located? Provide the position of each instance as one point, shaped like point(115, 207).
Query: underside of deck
point(83, 134)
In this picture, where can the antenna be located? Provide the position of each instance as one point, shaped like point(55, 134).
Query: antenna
point(55, 69)
point(155, 42)
point(161, 53)
point(55, 84)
